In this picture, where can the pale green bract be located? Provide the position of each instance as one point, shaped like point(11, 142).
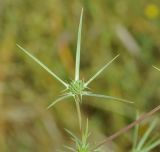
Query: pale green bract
point(76, 88)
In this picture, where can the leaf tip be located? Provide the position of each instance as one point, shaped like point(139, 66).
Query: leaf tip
point(155, 67)
point(48, 107)
point(18, 45)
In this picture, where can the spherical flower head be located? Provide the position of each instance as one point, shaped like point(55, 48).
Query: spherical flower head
point(76, 88)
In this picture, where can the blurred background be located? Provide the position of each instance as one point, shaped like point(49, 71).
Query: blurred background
point(48, 29)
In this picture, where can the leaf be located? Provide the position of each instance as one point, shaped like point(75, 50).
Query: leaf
point(43, 66)
point(150, 147)
point(156, 68)
point(107, 97)
point(72, 135)
point(136, 131)
point(99, 72)
point(77, 68)
point(58, 100)
point(146, 135)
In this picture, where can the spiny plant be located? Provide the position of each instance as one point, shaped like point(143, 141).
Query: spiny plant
point(146, 143)
point(81, 145)
point(77, 88)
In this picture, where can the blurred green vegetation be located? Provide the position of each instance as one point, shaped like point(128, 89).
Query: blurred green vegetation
point(49, 30)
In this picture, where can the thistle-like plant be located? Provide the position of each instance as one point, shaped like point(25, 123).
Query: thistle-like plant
point(77, 87)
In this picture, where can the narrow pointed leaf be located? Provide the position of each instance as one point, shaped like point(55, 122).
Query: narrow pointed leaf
point(72, 135)
point(77, 67)
point(42, 65)
point(150, 147)
point(152, 140)
point(107, 97)
point(136, 131)
point(146, 135)
point(58, 100)
point(156, 68)
point(105, 66)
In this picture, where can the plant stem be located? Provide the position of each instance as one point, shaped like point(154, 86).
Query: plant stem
point(125, 129)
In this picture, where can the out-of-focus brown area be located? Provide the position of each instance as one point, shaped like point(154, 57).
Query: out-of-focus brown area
point(48, 29)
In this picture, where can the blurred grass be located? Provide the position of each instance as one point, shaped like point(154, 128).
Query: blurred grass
point(49, 30)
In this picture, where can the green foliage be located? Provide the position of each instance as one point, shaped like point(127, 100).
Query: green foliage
point(81, 145)
point(143, 145)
